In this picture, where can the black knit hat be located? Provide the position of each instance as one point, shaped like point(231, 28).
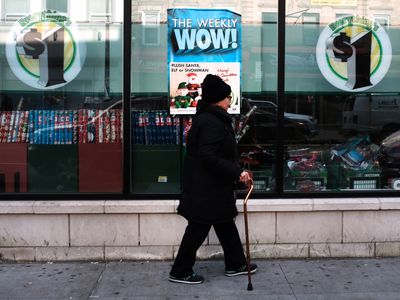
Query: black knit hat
point(214, 89)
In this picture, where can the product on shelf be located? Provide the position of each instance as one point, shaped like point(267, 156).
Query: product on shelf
point(61, 126)
point(187, 124)
point(13, 126)
point(361, 179)
point(357, 153)
point(359, 166)
point(155, 128)
point(306, 171)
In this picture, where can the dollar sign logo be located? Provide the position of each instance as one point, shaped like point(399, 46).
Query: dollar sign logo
point(340, 46)
point(356, 52)
point(30, 44)
point(49, 49)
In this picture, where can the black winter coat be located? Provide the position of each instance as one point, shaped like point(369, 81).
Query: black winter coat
point(210, 168)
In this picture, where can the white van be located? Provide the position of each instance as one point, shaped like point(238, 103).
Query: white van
point(375, 114)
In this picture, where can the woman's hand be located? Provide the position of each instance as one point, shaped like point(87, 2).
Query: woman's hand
point(244, 177)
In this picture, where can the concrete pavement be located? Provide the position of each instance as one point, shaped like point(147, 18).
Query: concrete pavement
point(276, 279)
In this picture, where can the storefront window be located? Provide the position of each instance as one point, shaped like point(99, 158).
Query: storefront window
point(340, 78)
point(158, 132)
point(61, 99)
point(333, 126)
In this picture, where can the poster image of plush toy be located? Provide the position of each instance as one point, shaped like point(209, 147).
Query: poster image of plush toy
point(190, 76)
point(194, 103)
point(193, 85)
point(181, 100)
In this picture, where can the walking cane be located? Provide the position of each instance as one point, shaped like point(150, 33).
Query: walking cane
point(246, 230)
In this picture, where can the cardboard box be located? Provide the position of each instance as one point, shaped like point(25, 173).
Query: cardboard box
point(13, 167)
point(100, 168)
point(53, 168)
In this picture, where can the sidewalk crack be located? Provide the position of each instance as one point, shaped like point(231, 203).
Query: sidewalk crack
point(283, 272)
point(91, 296)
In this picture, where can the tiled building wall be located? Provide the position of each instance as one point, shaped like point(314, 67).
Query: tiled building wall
point(151, 230)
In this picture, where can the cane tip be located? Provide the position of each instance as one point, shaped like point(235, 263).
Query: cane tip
point(249, 287)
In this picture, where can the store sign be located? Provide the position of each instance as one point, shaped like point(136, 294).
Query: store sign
point(354, 53)
point(334, 2)
point(201, 42)
point(44, 51)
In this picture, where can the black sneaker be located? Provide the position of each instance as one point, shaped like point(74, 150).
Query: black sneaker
point(191, 279)
point(241, 271)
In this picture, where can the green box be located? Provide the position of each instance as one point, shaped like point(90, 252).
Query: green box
point(156, 169)
point(369, 178)
point(52, 168)
point(262, 178)
point(318, 176)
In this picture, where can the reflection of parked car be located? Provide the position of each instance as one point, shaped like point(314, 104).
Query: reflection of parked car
point(263, 123)
point(376, 114)
point(309, 122)
point(390, 151)
point(389, 160)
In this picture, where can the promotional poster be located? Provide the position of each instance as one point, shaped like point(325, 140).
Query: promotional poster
point(201, 42)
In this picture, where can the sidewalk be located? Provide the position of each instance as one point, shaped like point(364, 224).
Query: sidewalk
point(276, 279)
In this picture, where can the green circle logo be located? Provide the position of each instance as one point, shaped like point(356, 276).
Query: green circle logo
point(354, 53)
point(43, 52)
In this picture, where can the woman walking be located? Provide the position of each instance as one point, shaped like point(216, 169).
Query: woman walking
point(209, 177)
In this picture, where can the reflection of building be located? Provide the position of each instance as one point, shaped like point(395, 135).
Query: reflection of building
point(82, 11)
point(309, 11)
point(153, 12)
point(324, 11)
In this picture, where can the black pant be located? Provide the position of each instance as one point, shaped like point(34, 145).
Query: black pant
point(194, 236)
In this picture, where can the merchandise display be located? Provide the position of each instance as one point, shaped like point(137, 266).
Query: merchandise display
point(156, 139)
point(260, 163)
point(186, 124)
point(54, 150)
point(360, 168)
point(305, 170)
point(14, 126)
point(155, 127)
point(369, 178)
point(357, 153)
point(357, 164)
point(61, 126)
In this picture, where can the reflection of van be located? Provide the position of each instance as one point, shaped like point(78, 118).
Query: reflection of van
point(376, 114)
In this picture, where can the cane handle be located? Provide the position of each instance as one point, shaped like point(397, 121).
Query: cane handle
point(251, 187)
